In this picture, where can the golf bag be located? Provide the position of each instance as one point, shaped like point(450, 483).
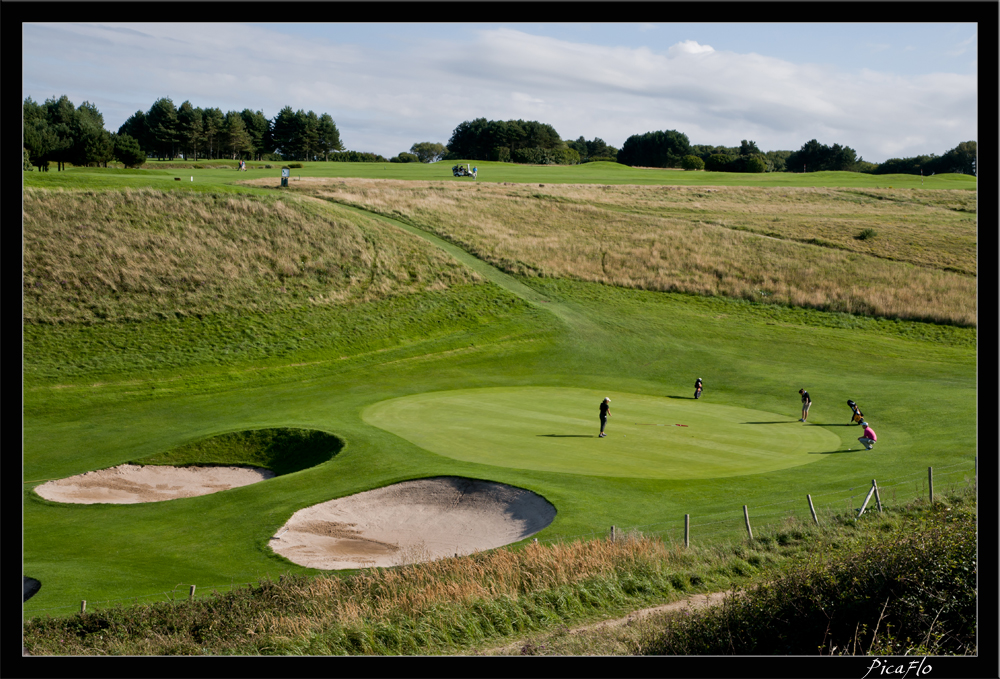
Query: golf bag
point(857, 417)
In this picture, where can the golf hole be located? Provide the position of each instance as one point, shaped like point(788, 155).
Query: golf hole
point(411, 522)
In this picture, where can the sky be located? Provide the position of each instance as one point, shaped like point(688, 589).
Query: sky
point(887, 90)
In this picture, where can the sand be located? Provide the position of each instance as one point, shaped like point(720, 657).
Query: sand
point(131, 484)
point(411, 522)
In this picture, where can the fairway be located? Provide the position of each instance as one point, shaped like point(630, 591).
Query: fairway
point(555, 430)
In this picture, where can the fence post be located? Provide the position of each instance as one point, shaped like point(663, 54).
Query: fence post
point(612, 534)
point(746, 516)
point(871, 491)
point(191, 595)
point(687, 530)
point(878, 500)
point(83, 606)
point(930, 482)
point(812, 510)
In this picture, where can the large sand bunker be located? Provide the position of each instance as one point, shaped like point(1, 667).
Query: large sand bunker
point(411, 522)
point(131, 484)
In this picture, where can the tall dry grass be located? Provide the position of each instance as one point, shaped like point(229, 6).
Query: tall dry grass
point(787, 245)
point(137, 254)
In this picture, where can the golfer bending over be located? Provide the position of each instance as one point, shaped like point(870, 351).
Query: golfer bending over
point(697, 388)
point(605, 414)
point(868, 438)
point(806, 402)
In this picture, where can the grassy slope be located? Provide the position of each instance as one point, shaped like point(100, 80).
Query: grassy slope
point(482, 336)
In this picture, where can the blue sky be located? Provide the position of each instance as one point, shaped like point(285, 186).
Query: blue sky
point(886, 90)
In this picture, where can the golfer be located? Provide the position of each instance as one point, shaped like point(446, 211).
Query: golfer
point(697, 388)
point(806, 402)
point(867, 439)
point(605, 414)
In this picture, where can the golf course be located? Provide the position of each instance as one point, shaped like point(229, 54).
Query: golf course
point(376, 324)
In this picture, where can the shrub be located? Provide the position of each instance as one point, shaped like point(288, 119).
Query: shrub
point(717, 162)
point(294, 165)
point(867, 234)
point(692, 163)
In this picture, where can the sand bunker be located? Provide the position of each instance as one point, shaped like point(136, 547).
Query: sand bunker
point(131, 484)
point(411, 522)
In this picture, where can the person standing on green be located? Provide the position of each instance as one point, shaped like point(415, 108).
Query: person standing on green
point(605, 414)
point(806, 402)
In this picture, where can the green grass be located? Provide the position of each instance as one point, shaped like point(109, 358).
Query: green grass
point(219, 173)
point(100, 395)
point(555, 430)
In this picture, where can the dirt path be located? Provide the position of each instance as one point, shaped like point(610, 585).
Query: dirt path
point(691, 603)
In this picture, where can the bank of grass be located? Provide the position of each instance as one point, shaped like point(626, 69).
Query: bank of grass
point(919, 556)
point(137, 254)
point(790, 246)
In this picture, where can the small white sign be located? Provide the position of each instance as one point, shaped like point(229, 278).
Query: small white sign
point(285, 171)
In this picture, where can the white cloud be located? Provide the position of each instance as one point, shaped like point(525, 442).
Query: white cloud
point(384, 100)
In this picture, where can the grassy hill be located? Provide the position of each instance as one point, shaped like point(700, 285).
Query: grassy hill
point(159, 314)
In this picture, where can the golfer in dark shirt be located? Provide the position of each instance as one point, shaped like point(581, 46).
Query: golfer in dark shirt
point(697, 388)
point(605, 414)
point(806, 402)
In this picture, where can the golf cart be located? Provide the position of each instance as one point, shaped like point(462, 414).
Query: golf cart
point(463, 171)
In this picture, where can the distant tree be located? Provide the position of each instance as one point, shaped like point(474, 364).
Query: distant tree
point(26, 163)
point(259, 129)
point(816, 157)
point(37, 138)
point(718, 162)
point(162, 121)
point(213, 125)
point(237, 139)
point(691, 162)
point(308, 142)
point(754, 163)
point(428, 152)
point(137, 128)
point(469, 142)
point(405, 157)
point(329, 136)
point(93, 145)
point(128, 152)
point(190, 129)
point(60, 117)
point(285, 132)
point(748, 148)
point(655, 149)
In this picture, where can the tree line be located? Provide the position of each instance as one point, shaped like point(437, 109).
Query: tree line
point(57, 131)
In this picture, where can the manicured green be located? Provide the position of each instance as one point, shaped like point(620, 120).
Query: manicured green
point(555, 430)
point(99, 396)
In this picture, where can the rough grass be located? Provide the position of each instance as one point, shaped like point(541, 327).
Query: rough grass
point(129, 255)
point(469, 603)
point(793, 246)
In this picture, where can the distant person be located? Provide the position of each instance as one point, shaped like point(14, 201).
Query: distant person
point(806, 402)
point(867, 439)
point(605, 414)
point(474, 171)
point(856, 415)
point(697, 388)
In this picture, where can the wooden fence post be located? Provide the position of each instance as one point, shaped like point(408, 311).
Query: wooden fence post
point(930, 482)
point(812, 510)
point(746, 516)
point(878, 500)
point(612, 534)
point(687, 530)
point(191, 595)
point(83, 606)
point(871, 491)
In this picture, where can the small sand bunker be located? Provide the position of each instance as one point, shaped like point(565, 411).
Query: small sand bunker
point(411, 522)
point(132, 484)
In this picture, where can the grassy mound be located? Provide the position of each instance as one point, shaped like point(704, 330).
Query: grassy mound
point(281, 450)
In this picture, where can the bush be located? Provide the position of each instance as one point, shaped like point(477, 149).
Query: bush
point(692, 163)
point(294, 165)
point(717, 162)
point(867, 234)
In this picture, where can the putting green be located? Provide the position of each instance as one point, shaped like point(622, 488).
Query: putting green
point(555, 430)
